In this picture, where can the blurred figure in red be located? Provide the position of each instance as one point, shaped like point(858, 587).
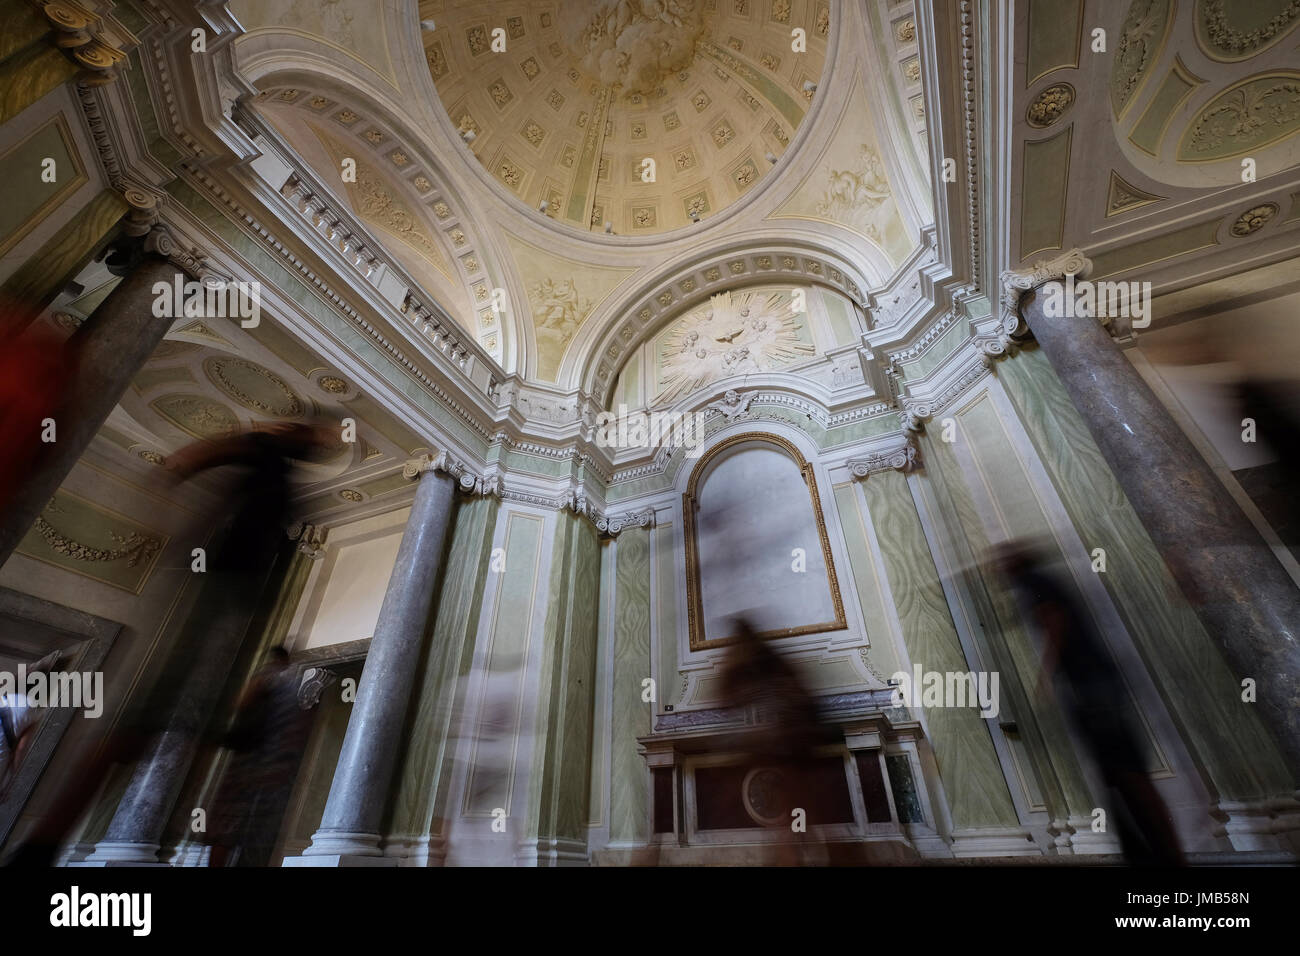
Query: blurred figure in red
point(36, 368)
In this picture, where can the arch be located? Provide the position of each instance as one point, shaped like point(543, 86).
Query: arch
point(604, 343)
point(696, 621)
point(305, 65)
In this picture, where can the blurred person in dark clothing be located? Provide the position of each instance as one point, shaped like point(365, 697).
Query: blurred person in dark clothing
point(267, 738)
point(788, 729)
point(1091, 691)
point(177, 710)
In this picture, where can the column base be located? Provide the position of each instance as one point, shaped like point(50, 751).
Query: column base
point(328, 844)
point(338, 860)
point(122, 853)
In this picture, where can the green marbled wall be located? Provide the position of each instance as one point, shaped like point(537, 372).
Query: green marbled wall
point(972, 776)
point(629, 797)
point(567, 683)
point(489, 785)
point(867, 580)
point(425, 769)
point(1039, 724)
point(1224, 734)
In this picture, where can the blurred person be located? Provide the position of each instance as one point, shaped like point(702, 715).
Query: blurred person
point(1092, 693)
point(496, 728)
point(267, 738)
point(758, 680)
point(36, 369)
point(257, 509)
point(18, 724)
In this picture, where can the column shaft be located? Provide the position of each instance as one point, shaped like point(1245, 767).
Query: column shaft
point(364, 774)
point(111, 347)
point(1246, 600)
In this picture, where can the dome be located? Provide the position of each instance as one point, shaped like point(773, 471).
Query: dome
point(636, 113)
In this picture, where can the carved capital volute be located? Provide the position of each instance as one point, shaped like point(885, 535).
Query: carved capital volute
point(1015, 283)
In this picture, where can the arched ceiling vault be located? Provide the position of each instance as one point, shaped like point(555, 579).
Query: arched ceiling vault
point(846, 190)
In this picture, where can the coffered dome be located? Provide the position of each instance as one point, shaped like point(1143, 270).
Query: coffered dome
point(635, 113)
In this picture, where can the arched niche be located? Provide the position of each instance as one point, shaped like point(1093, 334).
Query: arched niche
point(751, 501)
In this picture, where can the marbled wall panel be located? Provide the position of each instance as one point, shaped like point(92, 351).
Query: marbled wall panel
point(866, 578)
point(1041, 724)
point(972, 776)
point(490, 781)
point(669, 678)
point(629, 797)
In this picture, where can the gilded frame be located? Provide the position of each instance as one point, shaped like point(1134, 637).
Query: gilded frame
point(700, 641)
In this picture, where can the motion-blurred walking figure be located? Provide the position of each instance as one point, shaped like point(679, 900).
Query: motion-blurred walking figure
point(786, 732)
point(267, 738)
point(1091, 691)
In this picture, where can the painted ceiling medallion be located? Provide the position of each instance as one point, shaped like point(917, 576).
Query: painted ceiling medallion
point(1050, 105)
point(1254, 219)
point(1254, 114)
point(197, 415)
point(253, 387)
point(348, 494)
point(332, 384)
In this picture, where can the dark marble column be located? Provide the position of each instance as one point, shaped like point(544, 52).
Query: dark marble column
point(180, 709)
point(1248, 603)
point(350, 825)
point(112, 345)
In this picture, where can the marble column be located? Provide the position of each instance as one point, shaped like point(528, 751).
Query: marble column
point(1248, 603)
point(112, 346)
point(349, 831)
point(187, 693)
